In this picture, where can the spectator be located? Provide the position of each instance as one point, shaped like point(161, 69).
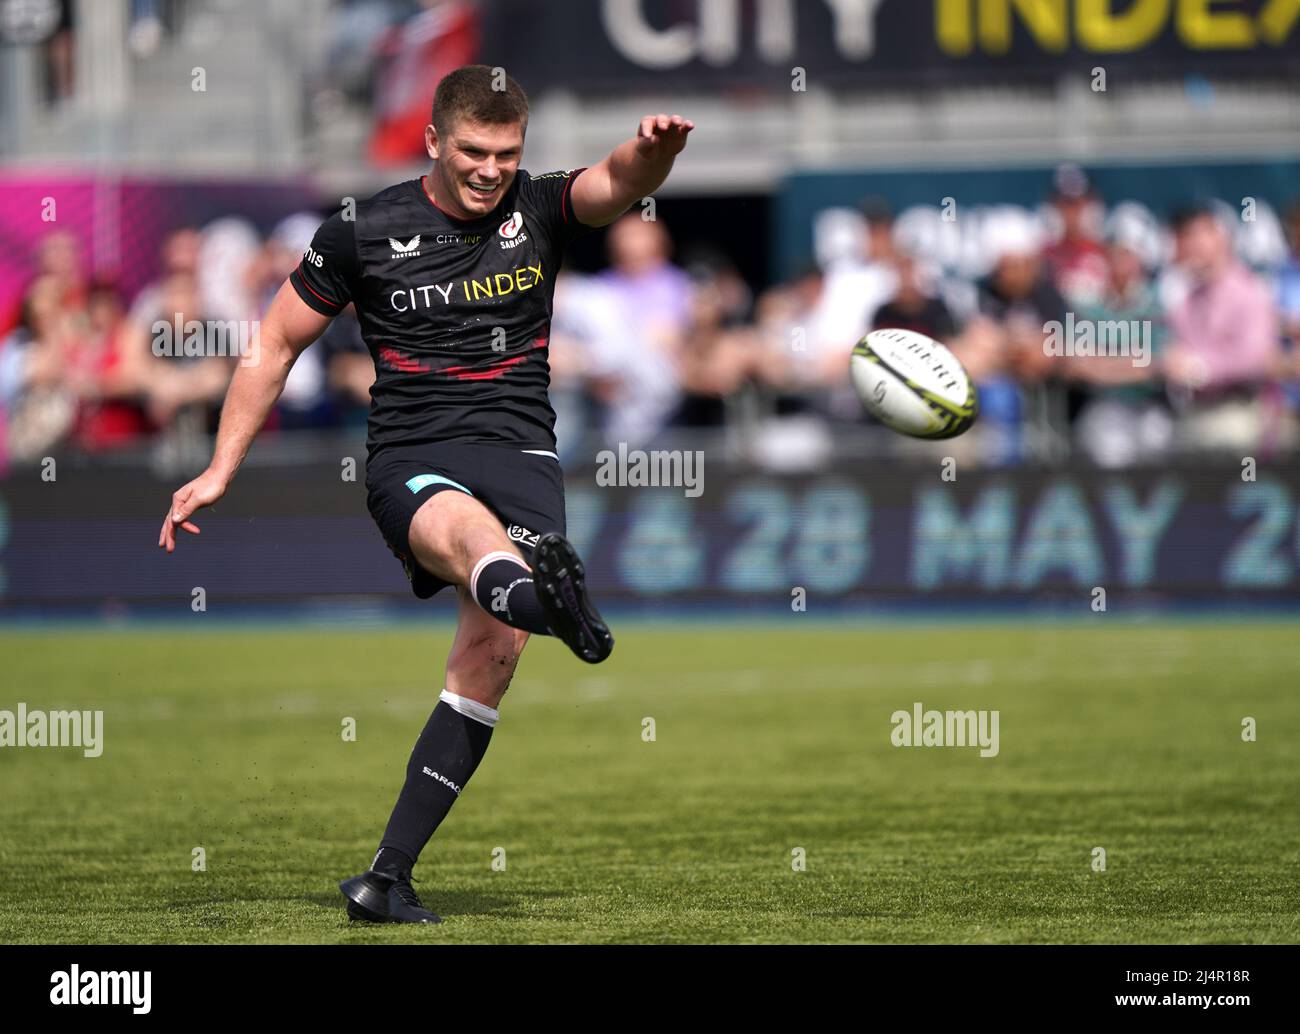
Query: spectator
point(723, 352)
point(305, 401)
point(105, 380)
point(350, 371)
point(1076, 261)
point(854, 285)
point(810, 324)
point(183, 375)
point(58, 258)
point(180, 255)
point(39, 406)
point(808, 340)
point(637, 370)
point(799, 359)
point(914, 306)
point(585, 316)
point(1003, 347)
point(1125, 419)
point(1018, 300)
point(1224, 347)
point(225, 258)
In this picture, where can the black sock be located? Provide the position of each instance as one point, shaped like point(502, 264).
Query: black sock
point(392, 862)
point(452, 744)
point(503, 586)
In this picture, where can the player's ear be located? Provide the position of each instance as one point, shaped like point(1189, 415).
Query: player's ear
point(431, 141)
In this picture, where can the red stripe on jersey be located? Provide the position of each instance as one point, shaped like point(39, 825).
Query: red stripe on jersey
point(486, 373)
point(491, 373)
point(401, 361)
point(317, 293)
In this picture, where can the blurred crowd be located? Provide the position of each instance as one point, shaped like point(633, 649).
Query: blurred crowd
point(659, 342)
point(1207, 360)
point(87, 367)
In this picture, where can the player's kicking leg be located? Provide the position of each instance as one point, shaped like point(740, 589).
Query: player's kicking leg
point(459, 540)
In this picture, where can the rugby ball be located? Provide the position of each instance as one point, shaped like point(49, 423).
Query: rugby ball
point(913, 384)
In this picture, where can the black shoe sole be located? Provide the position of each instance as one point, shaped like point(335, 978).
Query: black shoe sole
point(365, 901)
point(432, 919)
point(562, 587)
point(364, 915)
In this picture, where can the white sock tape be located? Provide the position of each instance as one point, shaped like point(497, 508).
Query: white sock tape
point(499, 554)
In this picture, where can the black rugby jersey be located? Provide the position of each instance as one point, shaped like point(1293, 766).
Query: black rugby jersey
point(456, 314)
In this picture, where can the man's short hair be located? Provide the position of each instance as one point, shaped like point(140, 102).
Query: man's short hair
point(480, 94)
point(876, 210)
point(1183, 217)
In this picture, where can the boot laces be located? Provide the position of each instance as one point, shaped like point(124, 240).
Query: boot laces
point(405, 892)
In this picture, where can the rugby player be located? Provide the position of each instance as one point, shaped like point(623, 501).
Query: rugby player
point(452, 277)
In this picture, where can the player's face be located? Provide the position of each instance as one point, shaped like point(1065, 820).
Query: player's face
point(476, 165)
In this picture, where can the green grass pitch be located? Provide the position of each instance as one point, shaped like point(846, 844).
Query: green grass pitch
point(768, 738)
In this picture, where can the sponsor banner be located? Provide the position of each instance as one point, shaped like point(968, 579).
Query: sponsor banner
point(704, 45)
point(854, 536)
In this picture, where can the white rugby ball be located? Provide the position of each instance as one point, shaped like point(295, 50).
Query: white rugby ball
point(913, 384)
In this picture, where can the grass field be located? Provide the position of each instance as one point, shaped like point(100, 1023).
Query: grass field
point(768, 739)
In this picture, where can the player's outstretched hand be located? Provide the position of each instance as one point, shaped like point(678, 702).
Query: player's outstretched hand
point(203, 491)
point(663, 134)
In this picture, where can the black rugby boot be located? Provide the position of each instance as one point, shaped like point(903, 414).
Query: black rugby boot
point(562, 588)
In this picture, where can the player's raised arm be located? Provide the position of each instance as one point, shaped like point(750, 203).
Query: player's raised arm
point(289, 327)
point(632, 170)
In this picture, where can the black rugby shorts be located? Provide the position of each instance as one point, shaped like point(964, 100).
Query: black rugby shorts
point(523, 488)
